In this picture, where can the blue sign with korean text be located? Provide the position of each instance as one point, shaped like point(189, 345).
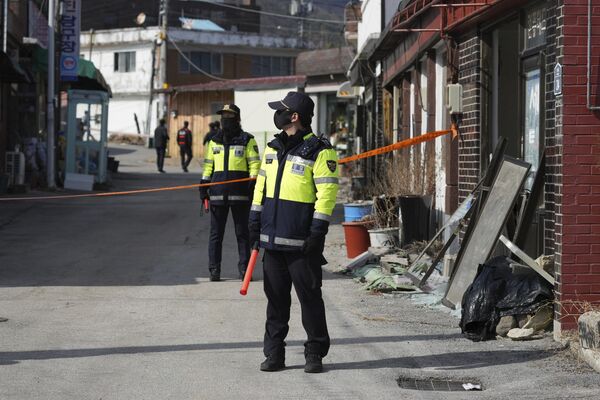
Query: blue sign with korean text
point(70, 28)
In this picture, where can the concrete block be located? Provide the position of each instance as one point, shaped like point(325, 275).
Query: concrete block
point(79, 182)
point(506, 323)
point(592, 357)
point(589, 330)
point(361, 260)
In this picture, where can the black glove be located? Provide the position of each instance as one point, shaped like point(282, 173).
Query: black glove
point(314, 245)
point(254, 233)
point(203, 190)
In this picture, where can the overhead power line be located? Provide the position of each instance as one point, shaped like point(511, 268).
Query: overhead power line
point(325, 21)
point(186, 58)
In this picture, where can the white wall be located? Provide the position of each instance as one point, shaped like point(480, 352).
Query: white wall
point(371, 21)
point(257, 117)
point(440, 124)
point(131, 90)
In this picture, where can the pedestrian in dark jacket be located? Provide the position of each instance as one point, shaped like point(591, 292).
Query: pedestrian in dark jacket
point(184, 140)
point(161, 138)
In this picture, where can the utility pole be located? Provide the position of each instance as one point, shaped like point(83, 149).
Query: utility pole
point(162, 77)
point(50, 96)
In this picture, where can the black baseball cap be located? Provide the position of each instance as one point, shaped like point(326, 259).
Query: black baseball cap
point(232, 108)
point(295, 101)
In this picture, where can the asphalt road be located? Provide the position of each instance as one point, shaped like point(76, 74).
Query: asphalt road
point(109, 299)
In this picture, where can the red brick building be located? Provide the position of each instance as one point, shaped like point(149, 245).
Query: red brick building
point(530, 72)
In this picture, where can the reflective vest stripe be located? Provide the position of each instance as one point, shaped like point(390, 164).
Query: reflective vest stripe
point(264, 238)
point(324, 217)
point(326, 180)
point(256, 208)
point(289, 242)
point(300, 160)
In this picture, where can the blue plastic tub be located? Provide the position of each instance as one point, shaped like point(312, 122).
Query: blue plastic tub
point(355, 211)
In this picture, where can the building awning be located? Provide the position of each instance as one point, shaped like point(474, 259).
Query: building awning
point(272, 82)
point(89, 77)
point(10, 71)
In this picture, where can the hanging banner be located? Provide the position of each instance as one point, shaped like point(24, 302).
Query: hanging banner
point(70, 27)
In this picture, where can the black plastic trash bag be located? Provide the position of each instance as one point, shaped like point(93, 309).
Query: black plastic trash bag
point(497, 292)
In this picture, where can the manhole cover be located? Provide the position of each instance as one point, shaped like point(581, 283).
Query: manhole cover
point(438, 385)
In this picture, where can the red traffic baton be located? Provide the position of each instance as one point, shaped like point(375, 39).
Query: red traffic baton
point(250, 269)
point(206, 206)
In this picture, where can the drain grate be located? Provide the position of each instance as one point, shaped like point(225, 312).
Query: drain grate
point(438, 385)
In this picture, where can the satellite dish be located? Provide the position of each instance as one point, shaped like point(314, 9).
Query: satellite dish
point(140, 19)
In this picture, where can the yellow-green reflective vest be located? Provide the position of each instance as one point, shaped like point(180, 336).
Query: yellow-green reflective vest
point(228, 161)
point(295, 192)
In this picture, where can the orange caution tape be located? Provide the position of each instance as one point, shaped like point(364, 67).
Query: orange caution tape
point(399, 145)
point(382, 150)
point(129, 192)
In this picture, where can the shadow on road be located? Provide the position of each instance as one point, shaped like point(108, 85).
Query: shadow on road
point(460, 360)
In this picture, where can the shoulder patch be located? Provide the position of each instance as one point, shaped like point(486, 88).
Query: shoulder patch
point(331, 165)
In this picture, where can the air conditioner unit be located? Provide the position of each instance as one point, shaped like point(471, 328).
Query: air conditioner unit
point(15, 168)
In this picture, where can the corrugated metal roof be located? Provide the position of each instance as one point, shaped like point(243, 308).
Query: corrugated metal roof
point(271, 82)
point(199, 24)
point(325, 62)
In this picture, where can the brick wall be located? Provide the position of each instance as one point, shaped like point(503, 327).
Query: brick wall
point(469, 54)
point(578, 194)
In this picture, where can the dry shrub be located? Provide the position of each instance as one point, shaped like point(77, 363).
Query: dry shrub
point(396, 179)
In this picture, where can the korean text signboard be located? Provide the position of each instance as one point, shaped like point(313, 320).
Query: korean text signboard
point(70, 26)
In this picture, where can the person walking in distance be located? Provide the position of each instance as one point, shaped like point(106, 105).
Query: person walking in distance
point(293, 201)
point(161, 138)
point(184, 140)
point(231, 154)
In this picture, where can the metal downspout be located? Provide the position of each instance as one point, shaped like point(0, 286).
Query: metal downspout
point(589, 60)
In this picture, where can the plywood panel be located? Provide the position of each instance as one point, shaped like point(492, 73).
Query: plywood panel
point(489, 224)
point(195, 107)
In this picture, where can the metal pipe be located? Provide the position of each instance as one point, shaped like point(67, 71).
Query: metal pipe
point(589, 60)
point(4, 25)
point(50, 96)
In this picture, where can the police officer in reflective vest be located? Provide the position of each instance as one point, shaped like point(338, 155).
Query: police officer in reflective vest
point(231, 154)
point(293, 201)
point(184, 140)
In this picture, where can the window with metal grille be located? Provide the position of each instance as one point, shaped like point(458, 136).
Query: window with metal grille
point(125, 61)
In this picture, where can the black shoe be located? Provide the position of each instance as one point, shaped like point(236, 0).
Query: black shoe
point(272, 364)
point(215, 276)
point(162, 171)
point(313, 365)
point(185, 170)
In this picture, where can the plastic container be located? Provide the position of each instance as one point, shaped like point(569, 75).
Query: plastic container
point(355, 211)
point(384, 237)
point(357, 238)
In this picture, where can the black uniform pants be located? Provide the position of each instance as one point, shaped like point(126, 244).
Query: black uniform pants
point(281, 269)
point(160, 157)
point(218, 220)
point(185, 153)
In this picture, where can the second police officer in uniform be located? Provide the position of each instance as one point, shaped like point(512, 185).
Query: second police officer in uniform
point(231, 154)
point(293, 201)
